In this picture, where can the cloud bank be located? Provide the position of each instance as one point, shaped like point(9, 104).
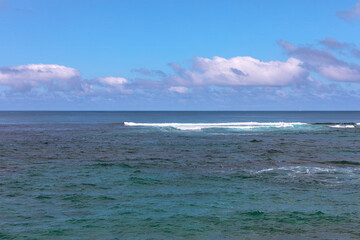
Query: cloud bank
point(53, 77)
point(239, 71)
point(242, 79)
point(56, 78)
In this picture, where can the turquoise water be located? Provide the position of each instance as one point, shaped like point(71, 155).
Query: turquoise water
point(179, 175)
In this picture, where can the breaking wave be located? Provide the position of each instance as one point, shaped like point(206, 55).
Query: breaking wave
point(230, 125)
point(241, 125)
point(342, 126)
point(312, 174)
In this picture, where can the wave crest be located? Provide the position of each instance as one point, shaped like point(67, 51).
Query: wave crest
point(230, 125)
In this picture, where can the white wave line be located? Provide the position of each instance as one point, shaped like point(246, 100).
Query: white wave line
point(342, 126)
point(233, 125)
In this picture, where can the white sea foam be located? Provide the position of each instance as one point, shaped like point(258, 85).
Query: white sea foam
point(343, 126)
point(231, 125)
point(310, 170)
point(311, 174)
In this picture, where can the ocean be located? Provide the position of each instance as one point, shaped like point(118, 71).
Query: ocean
point(180, 175)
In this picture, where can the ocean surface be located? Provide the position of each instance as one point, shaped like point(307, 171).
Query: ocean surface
point(179, 175)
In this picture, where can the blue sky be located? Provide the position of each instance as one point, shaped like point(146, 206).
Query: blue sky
point(179, 55)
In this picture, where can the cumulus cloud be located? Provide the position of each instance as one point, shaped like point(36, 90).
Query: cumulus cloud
point(341, 73)
point(112, 84)
point(350, 15)
point(178, 89)
point(112, 81)
point(214, 78)
point(239, 71)
point(50, 76)
point(324, 62)
point(47, 78)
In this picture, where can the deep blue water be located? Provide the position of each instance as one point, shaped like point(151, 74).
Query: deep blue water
point(179, 175)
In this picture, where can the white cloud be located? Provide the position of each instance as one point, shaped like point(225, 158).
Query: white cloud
point(113, 84)
point(179, 89)
point(53, 77)
point(340, 73)
point(241, 71)
point(113, 81)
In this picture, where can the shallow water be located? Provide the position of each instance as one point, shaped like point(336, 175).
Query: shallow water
point(197, 175)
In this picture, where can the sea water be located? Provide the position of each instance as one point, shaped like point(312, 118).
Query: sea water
point(179, 175)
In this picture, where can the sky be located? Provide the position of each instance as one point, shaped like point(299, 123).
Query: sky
point(179, 55)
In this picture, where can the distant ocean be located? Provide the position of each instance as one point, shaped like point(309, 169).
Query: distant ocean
point(179, 175)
